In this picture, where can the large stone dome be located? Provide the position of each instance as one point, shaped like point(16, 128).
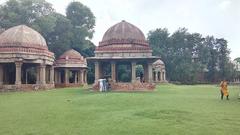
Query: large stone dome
point(22, 35)
point(23, 43)
point(123, 37)
point(123, 30)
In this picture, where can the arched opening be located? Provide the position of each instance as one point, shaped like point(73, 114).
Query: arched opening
point(9, 73)
point(124, 72)
point(29, 73)
point(140, 72)
point(106, 70)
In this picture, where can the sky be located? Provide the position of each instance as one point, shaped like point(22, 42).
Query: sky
point(220, 18)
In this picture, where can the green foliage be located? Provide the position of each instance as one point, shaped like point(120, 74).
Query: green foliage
point(61, 32)
point(189, 55)
point(139, 70)
point(188, 110)
point(237, 59)
point(82, 18)
point(124, 73)
point(16, 12)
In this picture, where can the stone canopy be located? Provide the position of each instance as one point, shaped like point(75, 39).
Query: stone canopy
point(70, 69)
point(124, 44)
point(27, 64)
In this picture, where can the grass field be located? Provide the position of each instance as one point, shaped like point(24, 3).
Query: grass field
point(169, 110)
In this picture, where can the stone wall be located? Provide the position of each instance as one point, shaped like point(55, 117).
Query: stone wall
point(136, 86)
point(26, 87)
point(67, 85)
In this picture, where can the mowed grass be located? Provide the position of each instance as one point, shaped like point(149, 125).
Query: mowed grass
point(169, 110)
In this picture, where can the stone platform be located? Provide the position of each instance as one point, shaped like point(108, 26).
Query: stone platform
point(26, 87)
point(136, 86)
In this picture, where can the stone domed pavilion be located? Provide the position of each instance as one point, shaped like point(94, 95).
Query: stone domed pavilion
point(25, 61)
point(70, 69)
point(159, 72)
point(124, 45)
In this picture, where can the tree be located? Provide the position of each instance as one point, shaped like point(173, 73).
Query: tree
point(190, 58)
point(82, 18)
point(237, 59)
point(16, 12)
point(61, 32)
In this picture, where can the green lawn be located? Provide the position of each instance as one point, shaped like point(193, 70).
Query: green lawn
point(171, 109)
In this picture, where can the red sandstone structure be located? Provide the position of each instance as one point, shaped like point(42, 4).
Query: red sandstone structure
point(27, 64)
point(70, 63)
point(124, 45)
point(159, 72)
point(25, 61)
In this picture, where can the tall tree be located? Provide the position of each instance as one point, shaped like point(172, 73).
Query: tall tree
point(82, 19)
point(16, 12)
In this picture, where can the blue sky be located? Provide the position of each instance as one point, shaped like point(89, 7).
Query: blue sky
point(220, 18)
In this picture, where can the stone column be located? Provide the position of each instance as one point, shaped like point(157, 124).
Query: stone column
point(1, 75)
point(51, 75)
point(97, 72)
point(56, 76)
point(59, 76)
point(133, 71)
point(150, 73)
point(81, 76)
point(75, 77)
point(18, 73)
point(164, 76)
point(37, 75)
point(145, 67)
point(113, 70)
point(156, 77)
point(85, 77)
point(66, 77)
point(42, 74)
point(160, 76)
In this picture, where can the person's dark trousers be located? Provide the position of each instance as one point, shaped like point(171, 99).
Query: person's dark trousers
point(221, 95)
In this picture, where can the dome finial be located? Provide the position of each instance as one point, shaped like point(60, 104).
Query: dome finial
point(123, 21)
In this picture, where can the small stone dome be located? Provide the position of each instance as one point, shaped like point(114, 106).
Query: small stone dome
point(158, 62)
point(71, 54)
point(71, 58)
point(22, 35)
point(123, 30)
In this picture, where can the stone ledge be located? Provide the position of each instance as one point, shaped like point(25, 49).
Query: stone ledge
point(136, 86)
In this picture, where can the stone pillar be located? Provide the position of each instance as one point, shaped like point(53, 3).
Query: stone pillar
point(156, 77)
point(150, 73)
point(37, 75)
point(59, 76)
point(1, 75)
point(75, 77)
point(51, 75)
point(81, 76)
point(160, 76)
point(97, 72)
point(18, 73)
point(66, 76)
point(85, 77)
point(113, 70)
point(164, 76)
point(56, 76)
point(145, 67)
point(133, 71)
point(42, 74)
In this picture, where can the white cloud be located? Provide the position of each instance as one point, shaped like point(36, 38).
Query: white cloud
point(225, 4)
